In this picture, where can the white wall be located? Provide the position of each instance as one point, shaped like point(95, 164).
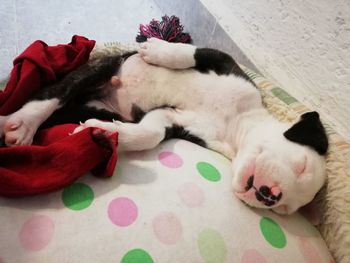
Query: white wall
point(304, 45)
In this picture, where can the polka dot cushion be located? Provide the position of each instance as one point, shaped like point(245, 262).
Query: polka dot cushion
point(170, 204)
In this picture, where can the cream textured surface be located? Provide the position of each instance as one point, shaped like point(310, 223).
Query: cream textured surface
point(302, 45)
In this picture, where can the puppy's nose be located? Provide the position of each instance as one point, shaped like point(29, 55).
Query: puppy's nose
point(265, 190)
point(276, 193)
point(268, 196)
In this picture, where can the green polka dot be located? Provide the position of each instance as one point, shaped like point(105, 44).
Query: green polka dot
point(77, 196)
point(211, 246)
point(272, 232)
point(208, 171)
point(137, 256)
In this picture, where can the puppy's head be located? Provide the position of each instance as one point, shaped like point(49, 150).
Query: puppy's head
point(281, 167)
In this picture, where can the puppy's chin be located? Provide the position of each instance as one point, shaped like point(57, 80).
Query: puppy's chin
point(248, 198)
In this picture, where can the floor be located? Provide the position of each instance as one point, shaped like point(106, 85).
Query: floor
point(55, 22)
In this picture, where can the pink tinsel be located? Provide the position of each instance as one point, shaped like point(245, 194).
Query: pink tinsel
point(168, 29)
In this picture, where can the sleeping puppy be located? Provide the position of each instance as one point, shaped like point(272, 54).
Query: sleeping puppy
point(173, 90)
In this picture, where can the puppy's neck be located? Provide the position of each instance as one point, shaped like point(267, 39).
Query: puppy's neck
point(255, 125)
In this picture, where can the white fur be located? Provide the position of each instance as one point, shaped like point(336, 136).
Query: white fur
point(175, 56)
point(263, 151)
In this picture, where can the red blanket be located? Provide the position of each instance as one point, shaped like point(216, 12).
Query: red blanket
point(55, 159)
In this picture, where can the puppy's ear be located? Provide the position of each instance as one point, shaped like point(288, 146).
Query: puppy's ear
point(309, 131)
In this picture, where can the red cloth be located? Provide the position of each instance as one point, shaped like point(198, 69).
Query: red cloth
point(55, 159)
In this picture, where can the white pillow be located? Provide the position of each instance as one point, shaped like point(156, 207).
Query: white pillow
point(170, 204)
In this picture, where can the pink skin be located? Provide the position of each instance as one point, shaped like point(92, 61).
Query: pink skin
point(15, 130)
point(115, 81)
point(275, 190)
point(8, 127)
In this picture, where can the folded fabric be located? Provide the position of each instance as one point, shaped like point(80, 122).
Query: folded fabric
point(55, 159)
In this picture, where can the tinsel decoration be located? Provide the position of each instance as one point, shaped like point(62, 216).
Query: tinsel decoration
point(168, 29)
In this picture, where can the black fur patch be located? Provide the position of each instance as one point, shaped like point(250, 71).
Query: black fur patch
point(309, 131)
point(84, 81)
point(164, 106)
point(136, 113)
point(174, 131)
point(218, 61)
point(179, 132)
point(126, 55)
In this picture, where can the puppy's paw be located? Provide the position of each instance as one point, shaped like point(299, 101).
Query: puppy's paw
point(170, 55)
point(94, 123)
point(18, 130)
point(155, 51)
point(79, 128)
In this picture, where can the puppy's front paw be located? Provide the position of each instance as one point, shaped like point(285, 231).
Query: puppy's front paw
point(170, 55)
point(78, 129)
point(154, 51)
point(94, 123)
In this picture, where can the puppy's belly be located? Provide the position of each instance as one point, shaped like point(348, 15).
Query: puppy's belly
point(145, 86)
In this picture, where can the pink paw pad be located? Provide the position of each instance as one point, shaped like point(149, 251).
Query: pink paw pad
point(18, 132)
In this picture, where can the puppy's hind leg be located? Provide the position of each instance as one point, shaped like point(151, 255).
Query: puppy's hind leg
point(20, 127)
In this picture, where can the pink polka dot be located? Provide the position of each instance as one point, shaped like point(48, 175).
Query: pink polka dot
point(191, 195)
point(170, 159)
point(122, 211)
point(252, 256)
point(167, 228)
point(36, 233)
point(308, 250)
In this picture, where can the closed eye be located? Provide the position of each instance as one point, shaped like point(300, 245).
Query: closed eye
point(300, 166)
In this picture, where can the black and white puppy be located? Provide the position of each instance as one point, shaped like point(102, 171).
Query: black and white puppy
point(173, 90)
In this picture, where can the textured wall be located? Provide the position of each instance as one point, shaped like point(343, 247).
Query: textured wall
point(304, 45)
